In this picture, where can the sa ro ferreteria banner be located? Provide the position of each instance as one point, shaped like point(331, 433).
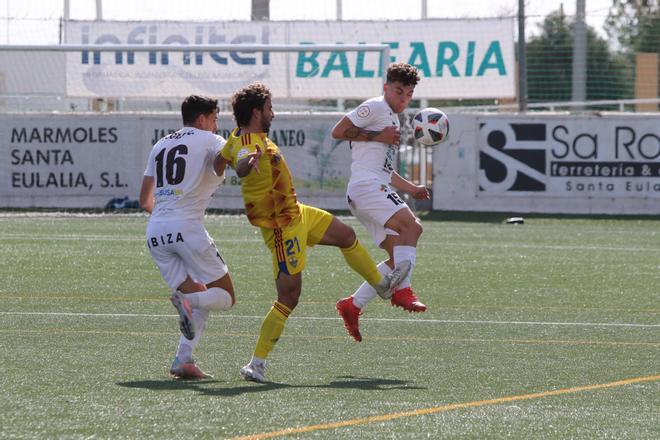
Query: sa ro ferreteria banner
point(582, 157)
point(457, 58)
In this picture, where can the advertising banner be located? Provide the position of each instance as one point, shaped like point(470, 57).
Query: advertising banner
point(464, 58)
point(550, 163)
point(86, 161)
point(57, 160)
point(570, 157)
point(543, 163)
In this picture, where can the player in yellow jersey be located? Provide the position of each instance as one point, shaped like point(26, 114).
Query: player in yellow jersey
point(287, 226)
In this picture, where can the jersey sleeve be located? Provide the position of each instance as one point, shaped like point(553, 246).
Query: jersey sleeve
point(226, 153)
point(216, 145)
point(363, 115)
point(151, 163)
point(238, 148)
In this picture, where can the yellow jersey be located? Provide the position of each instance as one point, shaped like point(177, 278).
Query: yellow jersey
point(269, 196)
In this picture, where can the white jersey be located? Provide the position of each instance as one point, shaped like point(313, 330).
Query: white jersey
point(373, 160)
point(182, 166)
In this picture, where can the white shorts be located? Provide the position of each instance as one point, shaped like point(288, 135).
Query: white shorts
point(373, 204)
point(182, 248)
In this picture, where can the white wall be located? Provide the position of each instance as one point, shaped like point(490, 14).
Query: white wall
point(28, 73)
point(507, 163)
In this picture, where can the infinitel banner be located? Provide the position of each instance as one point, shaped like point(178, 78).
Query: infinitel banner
point(456, 58)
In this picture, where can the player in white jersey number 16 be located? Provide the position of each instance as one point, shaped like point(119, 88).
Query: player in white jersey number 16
point(182, 173)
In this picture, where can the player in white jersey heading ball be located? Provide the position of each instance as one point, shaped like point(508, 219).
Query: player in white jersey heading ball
point(373, 130)
point(183, 171)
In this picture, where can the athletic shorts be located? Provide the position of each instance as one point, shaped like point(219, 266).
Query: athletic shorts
point(288, 244)
point(373, 204)
point(181, 248)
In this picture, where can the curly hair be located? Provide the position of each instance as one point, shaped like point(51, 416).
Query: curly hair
point(403, 73)
point(195, 105)
point(251, 97)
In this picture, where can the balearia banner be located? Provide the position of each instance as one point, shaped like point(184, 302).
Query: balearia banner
point(470, 58)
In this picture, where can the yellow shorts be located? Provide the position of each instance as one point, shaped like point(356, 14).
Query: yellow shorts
point(288, 245)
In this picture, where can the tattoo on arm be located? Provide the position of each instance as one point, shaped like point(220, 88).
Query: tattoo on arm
point(353, 133)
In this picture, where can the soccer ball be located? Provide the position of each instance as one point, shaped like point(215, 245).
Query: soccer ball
point(430, 126)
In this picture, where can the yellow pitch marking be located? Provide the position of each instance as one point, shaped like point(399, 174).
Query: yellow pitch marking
point(445, 408)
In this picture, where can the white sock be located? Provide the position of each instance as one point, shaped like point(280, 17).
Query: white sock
point(186, 346)
point(365, 292)
point(257, 361)
point(405, 253)
point(215, 298)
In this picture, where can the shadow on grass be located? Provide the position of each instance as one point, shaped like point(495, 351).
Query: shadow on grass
point(167, 384)
point(206, 386)
point(370, 383)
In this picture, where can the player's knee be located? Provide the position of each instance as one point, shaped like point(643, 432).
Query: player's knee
point(349, 238)
point(293, 302)
point(289, 298)
point(218, 299)
point(339, 234)
point(418, 228)
point(190, 286)
point(412, 228)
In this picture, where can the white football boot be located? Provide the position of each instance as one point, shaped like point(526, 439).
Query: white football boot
point(186, 323)
point(386, 287)
point(254, 372)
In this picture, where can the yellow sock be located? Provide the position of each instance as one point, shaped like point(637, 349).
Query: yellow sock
point(271, 329)
point(360, 261)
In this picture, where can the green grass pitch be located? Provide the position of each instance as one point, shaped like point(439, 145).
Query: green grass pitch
point(549, 329)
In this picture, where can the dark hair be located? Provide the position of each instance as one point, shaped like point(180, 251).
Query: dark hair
point(251, 97)
point(194, 105)
point(403, 73)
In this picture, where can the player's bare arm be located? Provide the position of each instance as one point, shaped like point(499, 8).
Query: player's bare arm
point(248, 163)
point(419, 192)
point(147, 193)
point(219, 165)
point(347, 131)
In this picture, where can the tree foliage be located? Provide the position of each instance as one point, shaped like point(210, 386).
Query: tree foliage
point(635, 24)
point(550, 64)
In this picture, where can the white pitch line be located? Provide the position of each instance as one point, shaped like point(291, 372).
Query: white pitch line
point(74, 237)
point(546, 246)
point(317, 318)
